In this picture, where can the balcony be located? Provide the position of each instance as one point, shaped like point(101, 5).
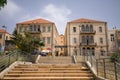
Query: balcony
point(88, 44)
point(87, 32)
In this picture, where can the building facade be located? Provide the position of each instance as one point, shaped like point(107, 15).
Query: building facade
point(4, 37)
point(86, 35)
point(114, 40)
point(43, 29)
point(60, 48)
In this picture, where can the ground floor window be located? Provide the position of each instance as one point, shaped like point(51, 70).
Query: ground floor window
point(88, 51)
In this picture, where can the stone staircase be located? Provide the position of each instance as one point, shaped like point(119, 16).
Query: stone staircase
point(56, 60)
point(50, 68)
point(49, 72)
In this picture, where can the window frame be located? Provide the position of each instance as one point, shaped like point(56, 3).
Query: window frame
point(74, 29)
point(100, 29)
point(101, 40)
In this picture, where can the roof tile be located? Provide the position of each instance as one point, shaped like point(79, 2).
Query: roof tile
point(35, 21)
point(84, 20)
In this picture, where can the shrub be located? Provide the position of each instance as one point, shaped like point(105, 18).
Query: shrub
point(115, 57)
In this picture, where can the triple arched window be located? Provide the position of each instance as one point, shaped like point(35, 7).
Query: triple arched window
point(87, 39)
point(87, 28)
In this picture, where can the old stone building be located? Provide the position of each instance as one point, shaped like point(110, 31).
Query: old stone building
point(41, 28)
point(86, 36)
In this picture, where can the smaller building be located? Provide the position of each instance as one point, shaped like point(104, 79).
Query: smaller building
point(5, 37)
point(60, 48)
point(114, 40)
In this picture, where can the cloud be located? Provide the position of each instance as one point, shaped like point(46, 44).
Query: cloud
point(57, 14)
point(10, 9)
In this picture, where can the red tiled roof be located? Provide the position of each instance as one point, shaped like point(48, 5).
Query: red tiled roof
point(83, 20)
point(2, 31)
point(35, 21)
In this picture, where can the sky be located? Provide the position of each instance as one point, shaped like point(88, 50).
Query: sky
point(60, 12)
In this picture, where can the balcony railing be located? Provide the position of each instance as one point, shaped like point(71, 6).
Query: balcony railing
point(88, 44)
point(88, 32)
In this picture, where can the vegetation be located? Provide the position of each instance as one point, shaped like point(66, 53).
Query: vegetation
point(3, 3)
point(26, 43)
point(115, 57)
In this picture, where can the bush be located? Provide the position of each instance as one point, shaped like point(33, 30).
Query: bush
point(115, 57)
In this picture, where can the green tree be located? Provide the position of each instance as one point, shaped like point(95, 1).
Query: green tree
point(115, 57)
point(3, 3)
point(27, 42)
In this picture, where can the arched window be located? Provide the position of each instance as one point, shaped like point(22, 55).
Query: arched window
point(100, 29)
point(87, 28)
point(83, 28)
point(91, 28)
point(91, 39)
point(83, 39)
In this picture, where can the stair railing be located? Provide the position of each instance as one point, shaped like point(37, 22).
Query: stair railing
point(7, 59)
point(74, 59)
point(103, 68)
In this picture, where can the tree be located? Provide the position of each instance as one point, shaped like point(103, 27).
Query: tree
point(27, 42)
point(3, 3)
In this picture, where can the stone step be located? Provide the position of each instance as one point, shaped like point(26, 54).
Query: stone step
point(48, 69)
point(56, 59)
point(50, 75)
point(48, 78)
point(54, 66)
point(30, 72)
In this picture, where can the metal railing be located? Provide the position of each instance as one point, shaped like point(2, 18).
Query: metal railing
point(7, 60)
point(103, 67)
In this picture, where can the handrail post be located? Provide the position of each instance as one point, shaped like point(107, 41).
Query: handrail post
point(9, 59)
point(91, 60)
point(115, 67)
point(97, 66)
point(104, 68)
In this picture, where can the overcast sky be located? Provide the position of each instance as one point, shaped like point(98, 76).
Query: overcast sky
point(60, 12)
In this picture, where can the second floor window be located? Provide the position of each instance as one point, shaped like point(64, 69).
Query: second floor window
point(49, 28)
point(91, 39)
point(91, 28)
point(83, 28)
point(112, 37)
point(100, 29)
point(74, 29)
point(20, 29)
point(38, 27)
point(35, 28)
point(83, 39)
point(101, 40)
point(44, 29)
point(30, 27)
